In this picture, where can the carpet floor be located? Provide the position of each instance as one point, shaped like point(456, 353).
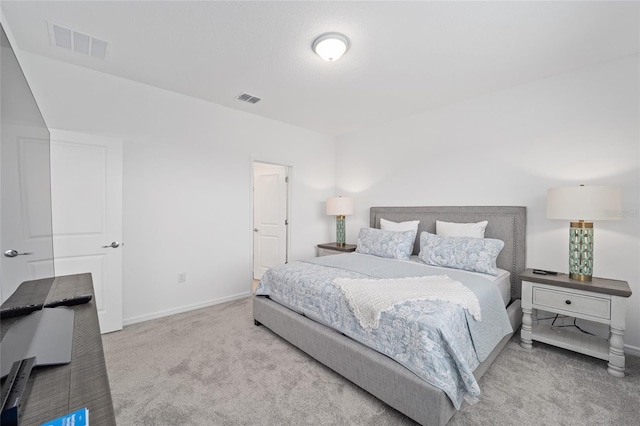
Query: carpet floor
point(212, 366)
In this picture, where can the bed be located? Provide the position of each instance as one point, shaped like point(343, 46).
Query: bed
point(393, 383)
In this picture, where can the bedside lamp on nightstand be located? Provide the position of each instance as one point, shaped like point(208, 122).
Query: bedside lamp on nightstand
point(584, 203)
point(340, 207)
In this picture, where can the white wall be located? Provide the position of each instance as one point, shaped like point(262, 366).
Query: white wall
point(184, 159)
point(508, 148)
point(187, 182)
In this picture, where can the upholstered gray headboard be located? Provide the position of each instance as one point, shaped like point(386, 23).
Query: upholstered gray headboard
point(505, 223)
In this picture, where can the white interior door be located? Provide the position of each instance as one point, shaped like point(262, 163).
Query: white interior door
point(269, 217)
point(86, 196)
point(25, 206)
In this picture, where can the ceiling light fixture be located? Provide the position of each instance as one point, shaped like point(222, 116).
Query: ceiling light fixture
point(331, 46)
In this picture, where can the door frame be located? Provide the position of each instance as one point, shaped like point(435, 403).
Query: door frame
point(289, 173)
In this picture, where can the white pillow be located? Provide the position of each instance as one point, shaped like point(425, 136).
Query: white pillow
point(411, 225)
point(452, 229)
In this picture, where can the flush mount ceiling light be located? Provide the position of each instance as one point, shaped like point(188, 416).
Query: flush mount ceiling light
point(331, 46)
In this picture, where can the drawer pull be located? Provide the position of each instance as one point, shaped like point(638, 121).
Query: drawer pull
point(568, 302)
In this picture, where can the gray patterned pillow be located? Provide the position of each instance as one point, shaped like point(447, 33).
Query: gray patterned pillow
point(469, 254)
point(391, 244)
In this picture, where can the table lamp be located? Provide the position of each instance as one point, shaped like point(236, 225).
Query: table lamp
point(585, 204)
point(340, 207)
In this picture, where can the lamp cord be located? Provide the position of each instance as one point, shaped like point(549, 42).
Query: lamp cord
point(563, 325)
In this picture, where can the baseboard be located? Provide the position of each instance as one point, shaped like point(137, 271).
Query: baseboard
point(632, 350)
point(181, 309)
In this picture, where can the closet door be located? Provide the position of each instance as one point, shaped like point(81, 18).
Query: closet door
point(86, 194)
point(26, 207)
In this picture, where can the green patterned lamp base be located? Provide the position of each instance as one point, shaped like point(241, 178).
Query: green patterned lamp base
point(340, 230)
point(581, 251)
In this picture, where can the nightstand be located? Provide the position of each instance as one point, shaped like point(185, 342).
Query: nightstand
point(334, 248)
point(601, 300)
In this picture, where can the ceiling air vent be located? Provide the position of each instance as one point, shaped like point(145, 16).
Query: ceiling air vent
point(78, 42)
point(245, 97)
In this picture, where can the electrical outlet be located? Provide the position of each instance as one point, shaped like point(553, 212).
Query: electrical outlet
point(182, 277)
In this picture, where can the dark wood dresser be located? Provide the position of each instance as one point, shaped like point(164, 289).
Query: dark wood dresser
point(59, 390)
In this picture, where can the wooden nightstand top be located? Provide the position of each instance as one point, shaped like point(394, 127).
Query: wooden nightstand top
point(597, 285)
point(347, 248)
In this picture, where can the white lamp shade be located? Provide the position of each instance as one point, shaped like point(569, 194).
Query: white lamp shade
point(331, 46)
point(340, 206)
point(587, 203)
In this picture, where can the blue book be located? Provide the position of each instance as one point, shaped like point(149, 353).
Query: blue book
point(77, 418)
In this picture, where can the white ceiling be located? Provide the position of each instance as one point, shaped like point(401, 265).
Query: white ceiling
point(405, 57)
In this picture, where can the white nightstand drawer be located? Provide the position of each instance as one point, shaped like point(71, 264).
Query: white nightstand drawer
point(599, 307)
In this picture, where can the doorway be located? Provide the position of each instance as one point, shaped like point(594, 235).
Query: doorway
point(270, 216)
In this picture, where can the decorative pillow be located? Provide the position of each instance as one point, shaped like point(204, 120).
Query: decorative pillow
point(469, 254)
point(452, 229)
point(395, 245)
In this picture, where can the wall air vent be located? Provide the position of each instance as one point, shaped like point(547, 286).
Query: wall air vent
point(78, 42)
point(245, 97)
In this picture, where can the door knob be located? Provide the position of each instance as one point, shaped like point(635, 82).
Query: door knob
point(114, 244)
point(256, 230)
point(14, 253)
